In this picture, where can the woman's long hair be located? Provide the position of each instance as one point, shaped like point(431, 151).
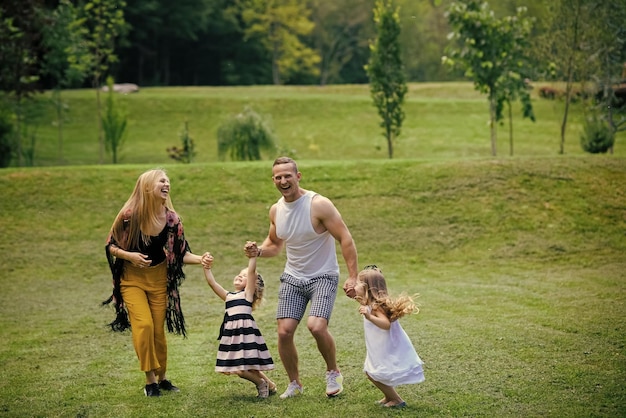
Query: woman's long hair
point(377, 296)
point(141, 211)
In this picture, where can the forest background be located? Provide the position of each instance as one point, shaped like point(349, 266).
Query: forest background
point(575, 50)
point(228, 42)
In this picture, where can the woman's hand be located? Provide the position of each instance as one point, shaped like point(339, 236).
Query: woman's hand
point(139, 260)
point(207, 261)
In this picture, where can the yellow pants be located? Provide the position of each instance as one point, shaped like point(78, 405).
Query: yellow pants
point(144, 291)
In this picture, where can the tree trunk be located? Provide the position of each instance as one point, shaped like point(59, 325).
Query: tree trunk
point(18, 133)
point(59, 106)
point(99, 115)
point(492, 121)
point(570, 76)
point(568, 93)
point(510, 128)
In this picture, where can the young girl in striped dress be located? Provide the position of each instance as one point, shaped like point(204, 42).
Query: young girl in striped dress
point(242, 350)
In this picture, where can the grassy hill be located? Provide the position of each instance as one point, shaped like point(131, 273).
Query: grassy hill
point(443, 121)
point(520, 264)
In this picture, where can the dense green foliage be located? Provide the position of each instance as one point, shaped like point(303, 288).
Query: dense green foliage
point(244, 136)
point(519, 264)
point(586, 41)
point(226, 42)
point(279, 26)
point(597, 136)
point(492, 53)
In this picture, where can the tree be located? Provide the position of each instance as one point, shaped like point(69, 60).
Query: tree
point(57, 40)
point(487, 50)
point(424, 38)
point(514, 84)
point(568, 19)
point(99, 27)
point(584, 43)
point(114, 123)
point(386, 72)
point(20, 48)
point(341, 31)
point(608, 46)
point(280, 24)
point(512, 88)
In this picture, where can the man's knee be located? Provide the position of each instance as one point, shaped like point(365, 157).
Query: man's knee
point(287, 329)
point(317, 326)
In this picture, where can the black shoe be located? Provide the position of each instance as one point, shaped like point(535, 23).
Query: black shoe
point(167, 385)
point(152, 390)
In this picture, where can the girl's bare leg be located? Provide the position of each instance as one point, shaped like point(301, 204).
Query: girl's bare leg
point(251, 375)
point(271, 385)
point(391, 396)
point(256, 377)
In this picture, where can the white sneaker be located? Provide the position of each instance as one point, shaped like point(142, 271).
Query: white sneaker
point(334, 383)
point(292, 390)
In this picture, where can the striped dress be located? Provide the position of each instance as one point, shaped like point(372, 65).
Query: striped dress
point(242, 347)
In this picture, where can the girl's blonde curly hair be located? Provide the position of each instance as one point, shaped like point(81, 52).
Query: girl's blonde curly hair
point(258, 292)
point(377, 296)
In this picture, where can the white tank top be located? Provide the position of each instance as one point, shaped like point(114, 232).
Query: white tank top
point(309, 254)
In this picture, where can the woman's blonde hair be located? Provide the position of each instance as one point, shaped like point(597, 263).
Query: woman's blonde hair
point(141, 211)
point(377, 296)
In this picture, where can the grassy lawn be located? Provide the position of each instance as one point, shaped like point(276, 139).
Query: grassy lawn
point(520, 264)
point(443, 121)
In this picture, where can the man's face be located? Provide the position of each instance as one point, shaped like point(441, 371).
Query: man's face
point(286, 180)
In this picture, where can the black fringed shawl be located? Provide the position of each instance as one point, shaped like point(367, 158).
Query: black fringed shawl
point(175, 248)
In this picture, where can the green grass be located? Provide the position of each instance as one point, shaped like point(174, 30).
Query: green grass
point(443, 121)
point(520, 264)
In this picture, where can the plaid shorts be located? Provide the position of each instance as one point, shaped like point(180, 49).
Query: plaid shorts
point(294, 294)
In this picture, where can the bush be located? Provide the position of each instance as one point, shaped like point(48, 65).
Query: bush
point(244, 136)
point(187, 153)
point(597, 136)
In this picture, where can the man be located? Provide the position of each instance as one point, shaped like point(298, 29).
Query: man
point(308, 224)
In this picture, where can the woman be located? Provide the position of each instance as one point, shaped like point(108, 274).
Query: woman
point(146, 250)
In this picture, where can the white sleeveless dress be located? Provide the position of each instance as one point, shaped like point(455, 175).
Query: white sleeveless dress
point(391, 358)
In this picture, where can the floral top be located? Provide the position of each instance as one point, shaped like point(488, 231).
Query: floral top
point(175, 249)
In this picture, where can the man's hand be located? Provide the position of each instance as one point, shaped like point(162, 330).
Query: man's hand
point(348, 287)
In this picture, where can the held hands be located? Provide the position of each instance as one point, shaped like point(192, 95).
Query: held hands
point(250, 249)
point(207, 261)
point(348, 288)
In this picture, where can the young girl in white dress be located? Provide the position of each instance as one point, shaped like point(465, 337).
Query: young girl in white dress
point(391, 359)
point(242, 350)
